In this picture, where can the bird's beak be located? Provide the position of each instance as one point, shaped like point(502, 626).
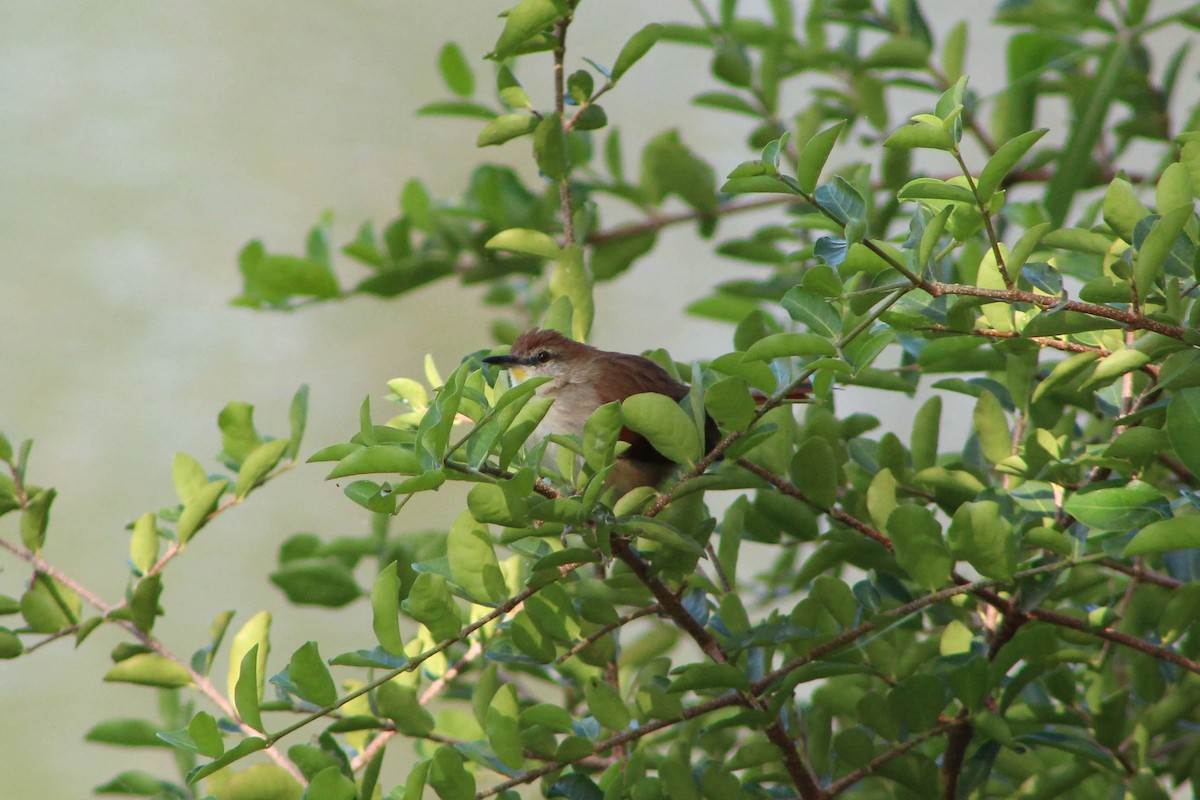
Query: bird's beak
point(516, 366)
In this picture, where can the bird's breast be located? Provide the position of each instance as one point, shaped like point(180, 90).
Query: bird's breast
point(573, 404)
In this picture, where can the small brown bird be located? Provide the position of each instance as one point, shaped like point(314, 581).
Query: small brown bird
point(583, 378)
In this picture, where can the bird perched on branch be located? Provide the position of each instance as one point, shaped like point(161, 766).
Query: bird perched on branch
point(583, 378)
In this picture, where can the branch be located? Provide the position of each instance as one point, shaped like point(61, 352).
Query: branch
point(787, 487)
point(1129, 319)
point(672, 607)
point(1064, 621)
point(854, 776)
point(564, 183)
point(656, 222)
point(1042, 341)
point(637, 613)
point(631, 735)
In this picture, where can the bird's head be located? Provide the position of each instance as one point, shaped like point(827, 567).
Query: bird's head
point(538, 353)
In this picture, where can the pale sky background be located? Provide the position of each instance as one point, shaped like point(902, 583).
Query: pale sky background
point(144, 144)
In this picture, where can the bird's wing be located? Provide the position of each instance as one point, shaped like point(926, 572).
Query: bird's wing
point(639, 375)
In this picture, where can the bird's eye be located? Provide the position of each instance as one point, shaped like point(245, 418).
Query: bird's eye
point(542, 356)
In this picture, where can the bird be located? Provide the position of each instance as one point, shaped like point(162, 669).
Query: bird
point(583, 378)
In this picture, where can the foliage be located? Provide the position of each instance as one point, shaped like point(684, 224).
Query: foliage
point(1014, 617)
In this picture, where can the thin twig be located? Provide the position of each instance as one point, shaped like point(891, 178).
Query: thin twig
point(787, 487)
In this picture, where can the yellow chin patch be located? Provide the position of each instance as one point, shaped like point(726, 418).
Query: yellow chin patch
point(518, 373)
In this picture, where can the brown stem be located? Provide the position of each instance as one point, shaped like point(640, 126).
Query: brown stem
point(657, 222)
point(637, 613)
point(1127, 318)
point(958, 737)
point(672, 607)
point(981, 204)
point(854, 776)
point(564, 183)
point(1042, 341)
point(631, 735)
point(787, 487)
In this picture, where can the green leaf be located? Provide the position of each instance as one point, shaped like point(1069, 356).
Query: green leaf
point(980, 534)
point(638, 45)
point(143, 543)
point(126, 733)
point(1116, 364)
point(550, 149)
point(784, 345)
point(1177, 533)
point(665, 425)
point(506, 127)
point(49, 606)
point(270, 279)
point(1003, 161)
point(254, 635)
point(601, 433)
point(149, 669)
point(196, 511)
point(525, 20)
point(814, 311)
point(1152, 255)
point(455, 70)
point(503, 728)
point(206, 735)
point(954, 47)
point(400, 704)
point(925, 432)
point(814, 155)
point(1122, 210)
point(381, 458)
point(202, 659)
point(143, 605)
point(606, 705)
point(243, 748)
point(571, 280)
point(310, 675)
point(238, 435)
point(330, 784)
point(133, 782)
point(669, 167)
point(698, 676)
point(991, 426)
point(258, 463)
point(841, 200)
point(456, 108)
point(1183, 427)
point(502, 503)
point(814, 470)
point(447, 775)
point(1117, 508)
point(920, 135)
point(729, 402)
point(430, 603)
point(1063, 372)
point(837, 598)
point(188, 476)
point(612, 257)
point(385, 608)
point(473, 563)
point(247, 692)
point(1076, 156)
point(523, 240)
point(933, 189)
point(298, 420)
point(323, 581)
point(35, 518)
point(920, 549)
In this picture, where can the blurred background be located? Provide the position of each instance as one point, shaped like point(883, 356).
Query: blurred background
point(144, 145)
